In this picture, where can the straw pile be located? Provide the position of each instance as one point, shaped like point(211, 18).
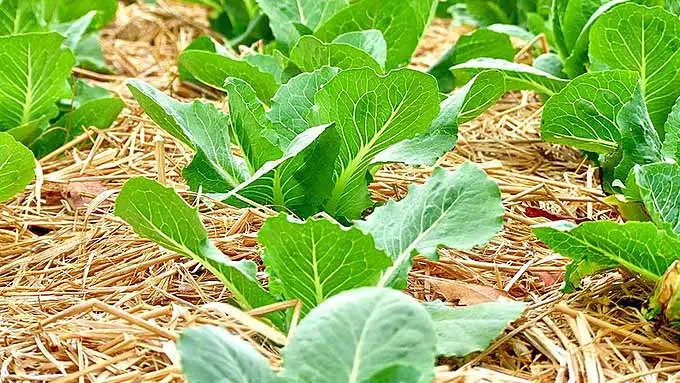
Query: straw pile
point(82, 299)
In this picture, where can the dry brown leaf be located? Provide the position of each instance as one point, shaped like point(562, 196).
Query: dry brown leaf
point(79, 194)
point(466, 294)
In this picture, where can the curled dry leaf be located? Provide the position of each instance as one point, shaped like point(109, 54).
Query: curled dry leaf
point(466, 294)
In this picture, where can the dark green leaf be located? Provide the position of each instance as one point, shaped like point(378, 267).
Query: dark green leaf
point(370, 41)
point(69, 10)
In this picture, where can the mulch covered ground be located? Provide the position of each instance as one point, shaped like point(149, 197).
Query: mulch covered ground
point(83, 299)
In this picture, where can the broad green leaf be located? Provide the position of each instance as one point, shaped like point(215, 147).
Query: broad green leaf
point(251, 130)
point(293, 102)
point(22, 16)
point(640, 247)
point(370, 41)
point(659, 186)
point(464, 330)
point(34, 71)
point(317, 259)
point(283, 14)
point(646, 40)
point(584, 113)
point(466, 104)
point(480, 43)
point(517, 76)
point(640, 144)
point(576, 58)
point(673, 6)
point(512, 31)
point(574, 19)
point(157, 213)
point(310, 54)
point(459, 209)
point(671, 143)
point(201, 126)
point(211, 354)
point(69, 10)
point(274, 64)
point(371, 113)
point(16, 167)
point(363, 335)
point(100, 113)
point(402, 23)
point(89, 54)
point(300, 181)
point(201, 43)
point(74, 31)
point(213, 69)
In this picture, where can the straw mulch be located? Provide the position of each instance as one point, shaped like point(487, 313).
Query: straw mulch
point(83, 299)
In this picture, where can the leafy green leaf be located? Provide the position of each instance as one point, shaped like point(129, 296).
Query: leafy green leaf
point(317, 259)
point(100, 113)
point(75, 9)
point(157, 213)
point(370, 41)
point(464, 105)
point(22, 16)
point(550, 63)
point(464, 330)
point(584, 113)
point(310, 13)
point(89, 54)
point(74, 30)
point(402, 23)
point(659, 186)
point(363, 335)
point(646, 40)
point(274, 64)
point(517, 76)
point(300, 181)
point(201, 126)
point(252, 131)
point(372, 113)
point(213, 69)
point(35, 69)
point(640, 247)
point(480, 43)
point(460, 210)
point(310, 54)
point(16, 167)
point(211, 354)
point(293, 103)
point(671, 143)
point(201, 43)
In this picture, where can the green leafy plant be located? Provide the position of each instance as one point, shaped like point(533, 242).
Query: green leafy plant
point(16, 167)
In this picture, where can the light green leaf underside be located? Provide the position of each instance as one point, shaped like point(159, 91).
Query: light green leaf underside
point(464, 330)
point(402, 23)
point(310, 54)
point(646, 40)
point(16, 167)
point(300, 181)
point(459, 209)
point(370, 41)
point(283, 14)
point(466, 104)
point(213, 69)
point(293, 103)
point(584, 113)
point(659, 188)
point(200, 126)
point(157, 213)
point(640, 247)
point(372, 113)
point(361, 336)
point(33, 73)
point(317, 259)
point(517, 76)
point(210, 354)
